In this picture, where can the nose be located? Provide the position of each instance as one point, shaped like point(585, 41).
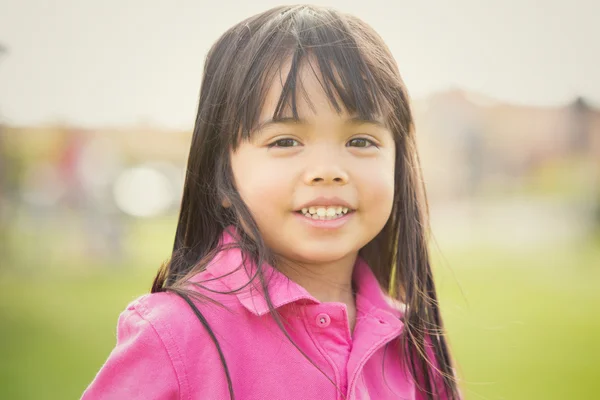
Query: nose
point(325, 173)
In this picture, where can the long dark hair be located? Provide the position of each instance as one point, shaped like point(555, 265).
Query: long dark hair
point(359, 74)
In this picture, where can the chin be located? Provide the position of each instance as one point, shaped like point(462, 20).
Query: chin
point(320, 255)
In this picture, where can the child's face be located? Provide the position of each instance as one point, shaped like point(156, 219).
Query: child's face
point(318, 157)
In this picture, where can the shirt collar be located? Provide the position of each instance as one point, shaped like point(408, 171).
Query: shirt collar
point(229, 268)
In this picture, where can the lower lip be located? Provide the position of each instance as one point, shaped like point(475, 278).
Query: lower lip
point(325, 223)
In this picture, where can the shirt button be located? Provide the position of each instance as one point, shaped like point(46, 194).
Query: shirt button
point(323, 320)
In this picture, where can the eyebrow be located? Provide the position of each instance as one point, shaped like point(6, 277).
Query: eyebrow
point(372, 121)
point(300, 121)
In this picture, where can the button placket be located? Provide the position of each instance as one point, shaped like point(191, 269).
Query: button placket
point(377, 329)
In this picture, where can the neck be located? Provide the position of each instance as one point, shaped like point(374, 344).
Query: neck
point(326, 282)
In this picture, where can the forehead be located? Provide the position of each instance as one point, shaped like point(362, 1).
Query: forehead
point(312, 94)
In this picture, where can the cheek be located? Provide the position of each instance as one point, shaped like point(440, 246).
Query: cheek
point(380, 195)
point(263, 187)
point(377, 183)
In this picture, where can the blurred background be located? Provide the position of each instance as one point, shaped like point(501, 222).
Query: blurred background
point(97, 103)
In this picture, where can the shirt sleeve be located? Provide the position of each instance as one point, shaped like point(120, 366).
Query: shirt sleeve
point(139, 367)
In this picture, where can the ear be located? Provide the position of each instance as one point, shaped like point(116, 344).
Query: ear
point(226, 203)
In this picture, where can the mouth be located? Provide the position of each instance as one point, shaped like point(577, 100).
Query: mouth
point(325, 213)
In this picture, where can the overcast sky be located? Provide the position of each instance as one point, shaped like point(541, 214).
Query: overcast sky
point(113, 62)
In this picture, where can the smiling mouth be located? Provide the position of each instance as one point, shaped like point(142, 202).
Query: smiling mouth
point(325, 213)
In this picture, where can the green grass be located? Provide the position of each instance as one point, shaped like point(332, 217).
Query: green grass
point(56, 331)
point(522, 325)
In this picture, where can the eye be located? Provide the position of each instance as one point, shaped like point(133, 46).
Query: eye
point(287, 142)
point(361, 142)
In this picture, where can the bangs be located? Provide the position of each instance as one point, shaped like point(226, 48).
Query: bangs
point(345, 63)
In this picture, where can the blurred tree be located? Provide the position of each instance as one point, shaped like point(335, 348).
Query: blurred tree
point(3, 50)
point(579, 125)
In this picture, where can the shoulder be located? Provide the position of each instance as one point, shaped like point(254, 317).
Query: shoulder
point(177, 328)
point(163, 316)
point(146, 358)
point(161, 346)
point(171, 315)
point(158, 307)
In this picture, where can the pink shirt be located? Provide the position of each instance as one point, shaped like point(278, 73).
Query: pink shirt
point(163, 351)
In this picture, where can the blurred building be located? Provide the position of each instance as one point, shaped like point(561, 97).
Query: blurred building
point(471, 144)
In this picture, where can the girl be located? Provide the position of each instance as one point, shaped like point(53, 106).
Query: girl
point(302, 232)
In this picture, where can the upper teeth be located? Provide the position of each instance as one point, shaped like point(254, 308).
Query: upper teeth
point(325, 211)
